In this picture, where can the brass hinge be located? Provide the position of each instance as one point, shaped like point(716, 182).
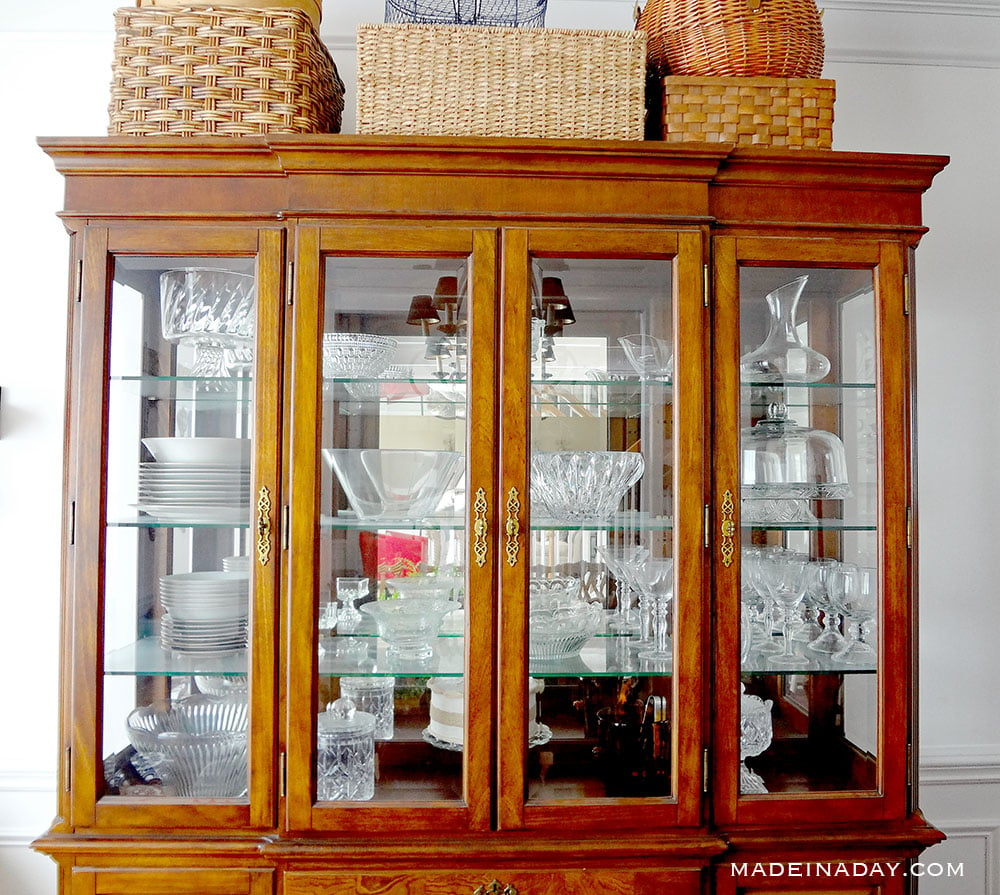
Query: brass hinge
point(909, 528)
point(67, 769)
point(704, 770)
point(909, 764)
point(78, 285)
point(282, 774)
point(72, 523)
point(285, 526)
point(906, 294)
point(290, 284)
point(706, 522)
point(704, 278)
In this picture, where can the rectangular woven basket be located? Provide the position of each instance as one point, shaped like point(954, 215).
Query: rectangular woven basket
point(462, 80)
point(795, 113)
point(225, 71)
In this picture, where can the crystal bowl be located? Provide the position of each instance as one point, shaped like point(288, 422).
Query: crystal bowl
point(395, 484)
point(582, 486)
point(204, 450)
point(408, 626)
point(199, 744)
point(207, 305)
point(649, 356)
point(356, 355)
point(551, 592)
point(442, 587)
point(559, 632)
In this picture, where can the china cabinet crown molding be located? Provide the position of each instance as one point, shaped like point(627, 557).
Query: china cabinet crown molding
point(290, 208)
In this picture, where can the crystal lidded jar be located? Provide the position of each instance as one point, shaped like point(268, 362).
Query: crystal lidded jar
point(346, 753)
point(782, 356)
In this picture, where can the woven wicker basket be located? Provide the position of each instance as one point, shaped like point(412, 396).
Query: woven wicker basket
point(463, 80)
point(313, 7)
point(734, 38)
point(224, 71)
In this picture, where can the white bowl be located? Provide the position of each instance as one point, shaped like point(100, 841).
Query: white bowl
point(222, 451)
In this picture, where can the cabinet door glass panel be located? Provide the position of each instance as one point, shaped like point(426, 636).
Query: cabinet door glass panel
point(600, 642)
point(810, 603)
point(390, 607)
point(177, 572)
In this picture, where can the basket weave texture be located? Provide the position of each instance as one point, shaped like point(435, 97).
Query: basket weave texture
point(224, 71)
point(459, 80)
point(496, 13)
point(734, 38)
point(795, 113)
point(313, 7)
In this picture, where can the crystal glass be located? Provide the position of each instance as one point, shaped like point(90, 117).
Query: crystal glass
point(655, 578)
point(211, 309)
point(395, 483)
point(374, 695)
point(782, 357)
point(621, 561)
point(350, 592)
point(559, 590)
point(854, 591)
point(650, 357)
point(345, 753)
point(559, 631)
point(582, 486)
point(784, 577)
point(821, 576)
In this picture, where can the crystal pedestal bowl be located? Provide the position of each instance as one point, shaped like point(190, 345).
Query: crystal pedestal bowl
point(582, 486)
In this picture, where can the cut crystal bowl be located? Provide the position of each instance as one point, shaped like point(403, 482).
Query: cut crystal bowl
point(582, 486)
point(356, 355)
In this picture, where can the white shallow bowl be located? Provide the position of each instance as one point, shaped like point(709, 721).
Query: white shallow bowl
point(395, 483)
point(228, 451)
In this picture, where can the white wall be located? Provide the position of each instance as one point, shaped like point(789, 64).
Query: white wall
point(912, 76)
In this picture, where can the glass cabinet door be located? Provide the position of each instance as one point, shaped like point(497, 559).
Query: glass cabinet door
point(398, 350)
point(608, 590)
point(184, 588)
point(817, 377)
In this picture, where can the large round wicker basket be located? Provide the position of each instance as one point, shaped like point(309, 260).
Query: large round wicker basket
point(734, 38)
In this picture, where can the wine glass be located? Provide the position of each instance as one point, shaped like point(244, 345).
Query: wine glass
point(656, 580)
point(350, 591)
point(621, 562)
point(809, 628)
point(822, 573)
point(752, 568)
point(855, 593)
point(784, 576)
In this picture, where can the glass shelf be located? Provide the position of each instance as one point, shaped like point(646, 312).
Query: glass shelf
point(143, 521)
point(353, 523)
point(820, 665)
point(147, 657)
point(226, 390)
point(820, 525)
point(620, 521)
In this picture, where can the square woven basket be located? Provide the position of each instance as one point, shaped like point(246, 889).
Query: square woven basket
point(463, 80)
point(224, 71)
point(796, 113)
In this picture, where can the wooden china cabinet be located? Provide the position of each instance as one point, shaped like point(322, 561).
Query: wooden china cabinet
point(487, 516)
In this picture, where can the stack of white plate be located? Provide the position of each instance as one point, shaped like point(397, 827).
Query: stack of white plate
point(206, 612)
point(196, 480)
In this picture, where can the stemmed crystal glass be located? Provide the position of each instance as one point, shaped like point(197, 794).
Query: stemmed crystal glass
point(753, 583)
point(808, 627)
point(621, 563)
point(350, 591)
point(822, 574)
point(784, 576)
point(655, 578)
point(854, 592)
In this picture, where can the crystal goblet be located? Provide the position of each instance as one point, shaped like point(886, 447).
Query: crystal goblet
point(854, 592)
point(784, 576)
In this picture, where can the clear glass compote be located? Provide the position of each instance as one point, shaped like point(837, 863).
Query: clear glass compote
point(854, 592)
point(621, 562)
point(821, 575)
point(784, 576)
point(350, 591)
point(655, 578)
point(755, 737)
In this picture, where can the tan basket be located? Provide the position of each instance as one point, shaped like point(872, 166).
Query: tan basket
point(500, 82)
point(314, 8)
point(224, 71)
point(796, 113)
point(734, 38)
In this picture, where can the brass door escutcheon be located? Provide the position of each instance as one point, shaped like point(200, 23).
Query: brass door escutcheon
point(728, 529)
point(495, 888)
point(264, 526)
point(479, 543)
point(513, 527)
